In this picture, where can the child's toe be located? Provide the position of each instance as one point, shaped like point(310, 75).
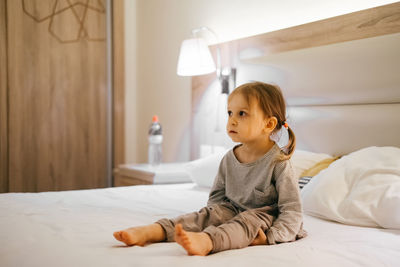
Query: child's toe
point(117, 235)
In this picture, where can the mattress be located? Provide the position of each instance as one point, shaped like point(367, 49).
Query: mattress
point(74, 228)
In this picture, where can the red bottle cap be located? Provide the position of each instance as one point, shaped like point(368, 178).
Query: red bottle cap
point(155, 118)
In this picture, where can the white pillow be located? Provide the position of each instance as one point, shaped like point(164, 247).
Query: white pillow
point(203, 171)
point(362, 188)
point(303, 160)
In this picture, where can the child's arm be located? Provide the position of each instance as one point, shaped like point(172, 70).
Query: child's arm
point(290, 219)
point(217, 193)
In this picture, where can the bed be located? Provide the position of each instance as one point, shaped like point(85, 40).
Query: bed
point(351, 208)
point(74, 228)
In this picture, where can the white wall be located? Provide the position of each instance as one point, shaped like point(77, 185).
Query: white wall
point(154, 30)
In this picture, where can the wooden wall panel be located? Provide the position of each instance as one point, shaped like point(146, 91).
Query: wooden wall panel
point(367, 23)
point(3, 100)
point(118, 83)
point(353, 26)
point(57, 95)
point(357, 25)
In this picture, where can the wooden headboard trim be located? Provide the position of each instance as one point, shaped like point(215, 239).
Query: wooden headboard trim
point(367, 23)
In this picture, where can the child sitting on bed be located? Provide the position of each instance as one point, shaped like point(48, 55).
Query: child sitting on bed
point(255, 197)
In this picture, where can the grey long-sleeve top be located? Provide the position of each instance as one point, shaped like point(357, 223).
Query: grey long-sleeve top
point(266, 182)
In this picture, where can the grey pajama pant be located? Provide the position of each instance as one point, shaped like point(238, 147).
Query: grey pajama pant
point(228, 226)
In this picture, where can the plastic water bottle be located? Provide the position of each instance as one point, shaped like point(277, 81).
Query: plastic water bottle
point(155, 142)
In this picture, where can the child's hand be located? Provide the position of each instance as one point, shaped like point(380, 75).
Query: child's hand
point(261, 239)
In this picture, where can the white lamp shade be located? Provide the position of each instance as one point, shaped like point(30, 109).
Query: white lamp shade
point(195, 58)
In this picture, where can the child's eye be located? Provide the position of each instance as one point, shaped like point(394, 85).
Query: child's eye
point(242, 113)
point(229, 113)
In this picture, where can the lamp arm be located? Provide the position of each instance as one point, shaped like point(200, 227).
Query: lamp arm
point(223, 78)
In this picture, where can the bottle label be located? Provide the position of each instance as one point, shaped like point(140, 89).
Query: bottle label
point(155, 139)
point(155, 129)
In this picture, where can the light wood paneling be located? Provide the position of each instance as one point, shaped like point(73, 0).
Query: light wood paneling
point(57, 97)
point(357, 25)
point(118, 83)
point(3, 100)
point(367, 23)
point(353, 26)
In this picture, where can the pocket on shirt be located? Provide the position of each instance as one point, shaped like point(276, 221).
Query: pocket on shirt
point(265, 197)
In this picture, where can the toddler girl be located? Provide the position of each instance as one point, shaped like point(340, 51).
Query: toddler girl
point(255, 197)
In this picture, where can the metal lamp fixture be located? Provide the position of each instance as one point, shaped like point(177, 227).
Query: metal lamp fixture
point(195, 59)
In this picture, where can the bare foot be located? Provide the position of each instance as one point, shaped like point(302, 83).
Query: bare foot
point(194, 243)
point(141, 235)
point(261, 239)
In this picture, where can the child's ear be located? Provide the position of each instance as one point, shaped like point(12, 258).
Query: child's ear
point(270, 124)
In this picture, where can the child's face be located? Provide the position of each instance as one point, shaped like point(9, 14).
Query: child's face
point(246, 123)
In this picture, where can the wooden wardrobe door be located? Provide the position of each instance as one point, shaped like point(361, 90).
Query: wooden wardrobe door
point(57, 94)
point(3, 100)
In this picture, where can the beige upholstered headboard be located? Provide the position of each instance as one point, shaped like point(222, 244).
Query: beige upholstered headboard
point(340, 77)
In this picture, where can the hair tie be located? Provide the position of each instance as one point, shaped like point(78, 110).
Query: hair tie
point(285, 124)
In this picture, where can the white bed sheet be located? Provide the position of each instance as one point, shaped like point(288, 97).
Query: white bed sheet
point(74, 228)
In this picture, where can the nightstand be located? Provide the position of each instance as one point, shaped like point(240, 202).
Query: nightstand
point(139, 174)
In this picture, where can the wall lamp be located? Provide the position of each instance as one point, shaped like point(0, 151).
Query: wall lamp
point(195, 59)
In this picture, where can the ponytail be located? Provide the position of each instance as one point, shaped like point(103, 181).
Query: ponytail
point(288, 150)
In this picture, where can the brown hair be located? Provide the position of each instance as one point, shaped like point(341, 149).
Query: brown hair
point(272, 103)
